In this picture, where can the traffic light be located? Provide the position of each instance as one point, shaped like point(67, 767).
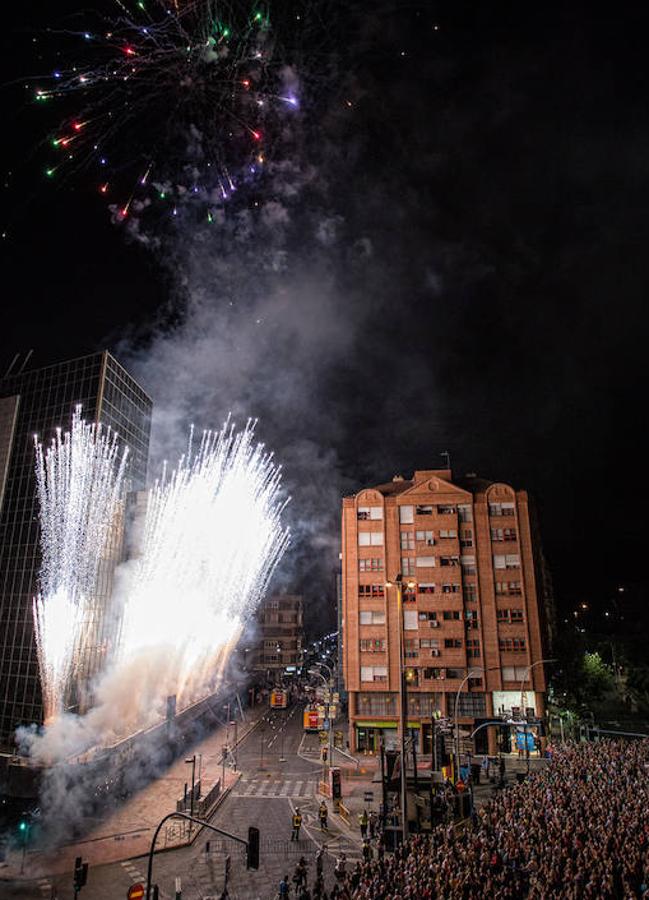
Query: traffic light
point(80, 874)
point(23, 827)
point(252, 850)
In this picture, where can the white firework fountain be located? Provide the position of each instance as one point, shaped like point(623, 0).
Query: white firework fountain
point(80, 490)
point(212, 537)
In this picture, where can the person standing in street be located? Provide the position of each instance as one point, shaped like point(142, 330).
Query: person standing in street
point(363, 820)
point(284, 888)
point(297, 824)
point(323, 815)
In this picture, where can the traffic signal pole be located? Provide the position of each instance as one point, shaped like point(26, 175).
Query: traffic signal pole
point(251, 845)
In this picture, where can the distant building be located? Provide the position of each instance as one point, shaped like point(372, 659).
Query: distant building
point(476, 599)
point(280, 634)
point(37, 401)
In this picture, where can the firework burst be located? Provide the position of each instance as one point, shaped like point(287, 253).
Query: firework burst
point(174, 105)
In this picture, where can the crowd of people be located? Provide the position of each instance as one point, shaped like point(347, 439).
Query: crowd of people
point(578, 829)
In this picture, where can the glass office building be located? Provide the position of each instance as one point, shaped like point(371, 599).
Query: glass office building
point(37, 402)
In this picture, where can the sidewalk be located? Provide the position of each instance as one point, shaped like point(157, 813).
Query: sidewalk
point(126, 832)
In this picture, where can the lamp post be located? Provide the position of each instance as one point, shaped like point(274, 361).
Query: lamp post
point(328, 685)
point(331, 685)
point(403, 712)
point(470, 674)
point(526, 675)
point(191, 802)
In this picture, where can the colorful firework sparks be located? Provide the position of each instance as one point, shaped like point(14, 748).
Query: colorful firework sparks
point(173, 103)
point(80, 480)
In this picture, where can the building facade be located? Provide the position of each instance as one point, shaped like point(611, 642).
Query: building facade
point(280, 634)
point(475, 590)
point(36, 402)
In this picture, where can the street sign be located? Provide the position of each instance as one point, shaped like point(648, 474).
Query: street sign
point(135, 892)
point(368, 797)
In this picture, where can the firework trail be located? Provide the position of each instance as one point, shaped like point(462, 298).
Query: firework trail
point(80, 490)
point(212, 539)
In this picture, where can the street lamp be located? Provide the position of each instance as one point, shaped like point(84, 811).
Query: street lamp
point(329, 686)
point(470, 674)
point(526, 675)
point(191, 802)
point(403, 712)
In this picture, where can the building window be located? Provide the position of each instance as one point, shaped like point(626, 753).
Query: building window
point(450, 589)
point(426, 587)
point(411, 649)
point(370, 538)
point(445, 510)
point(428, 643)
point(499, 561)
point(448, 533)
point(470, 594)
point(409, 594)
point(425, 562)
point(502, 615)
point(451, 615)
point(407, 540)
point(516, 615)
point(410, 620)
point(515, 645)
point(515, 673)
point(371, 590)
point(426, 537)
point(510, 534)
point(473, 705)
point(371, 617)
point(497, 534)
point(471, 617)
point(427, 616)
point(449, 560)
point(473, 648)
point(511, 588)
point(406, 515)
point(423, 510)
point(370, 564)
point(468, 565)
point(465, 513)
point(432, 674)
point(372, 645)
point(466, 538)
point(377, 704)
point(455, 673)
point(374, 673)
point(452, 643)
point(365, 513)
point(501, 509)
point(423, 704)
point(407, 565)
point(512, 561)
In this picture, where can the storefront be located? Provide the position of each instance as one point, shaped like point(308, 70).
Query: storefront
point(370, 732)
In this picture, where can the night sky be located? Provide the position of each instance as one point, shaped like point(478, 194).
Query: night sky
point(465, 271)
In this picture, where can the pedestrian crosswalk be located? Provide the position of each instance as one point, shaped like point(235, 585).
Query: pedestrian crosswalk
point(135, 874)
point(266, 788)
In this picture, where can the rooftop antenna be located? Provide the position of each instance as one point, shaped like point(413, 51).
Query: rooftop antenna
point(25, 361)
point(11, 365)
point(447, 457)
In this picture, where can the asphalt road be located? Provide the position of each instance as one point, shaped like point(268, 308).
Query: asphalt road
point(280, 770)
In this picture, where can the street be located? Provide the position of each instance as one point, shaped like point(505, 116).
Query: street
point(280, 770)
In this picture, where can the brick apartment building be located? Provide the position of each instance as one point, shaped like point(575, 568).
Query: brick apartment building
point(476, 597)
point(280, 634)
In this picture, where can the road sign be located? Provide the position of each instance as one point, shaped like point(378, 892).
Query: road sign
point(368, 797)
point(135, 892)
